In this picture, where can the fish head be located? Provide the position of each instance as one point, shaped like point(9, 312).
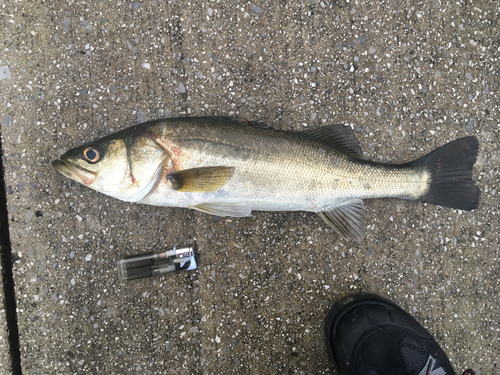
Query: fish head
point(125, 168)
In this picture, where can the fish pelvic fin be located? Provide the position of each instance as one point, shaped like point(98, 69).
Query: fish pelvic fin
point(200, 180)
point(348, 219)
point(450, 168)
point(235, 209)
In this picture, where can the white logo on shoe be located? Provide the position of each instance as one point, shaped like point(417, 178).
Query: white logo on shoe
point(430, 370)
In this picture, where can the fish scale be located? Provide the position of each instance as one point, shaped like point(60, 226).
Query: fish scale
point(279, 171)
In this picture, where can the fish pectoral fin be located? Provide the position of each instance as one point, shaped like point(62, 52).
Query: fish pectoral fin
point(339, 137)
point(347, 219)
point(200, 180)
point(235, 209)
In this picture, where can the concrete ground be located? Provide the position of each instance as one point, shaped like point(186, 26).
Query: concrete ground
point(5, 358)
point(408, 76)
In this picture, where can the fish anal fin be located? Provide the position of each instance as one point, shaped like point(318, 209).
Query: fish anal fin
point(339, 137)
point(235, 209)
point(348, 219)
point(200, 180)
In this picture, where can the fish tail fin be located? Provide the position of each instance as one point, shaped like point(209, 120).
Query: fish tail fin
point(451, 174)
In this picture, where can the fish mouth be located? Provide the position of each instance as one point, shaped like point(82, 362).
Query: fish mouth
point(74, 172)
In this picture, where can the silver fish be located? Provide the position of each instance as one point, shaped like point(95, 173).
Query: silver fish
point(229, 167)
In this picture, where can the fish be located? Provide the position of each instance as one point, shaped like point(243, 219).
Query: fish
point(230, 167)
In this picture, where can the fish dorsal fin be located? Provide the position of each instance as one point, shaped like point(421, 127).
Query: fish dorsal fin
point(339, 137)
point(235, 209)
point(200, 180)
point(231, 120)
point(347, 219)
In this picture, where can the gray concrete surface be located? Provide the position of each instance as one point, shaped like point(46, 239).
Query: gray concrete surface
point(5, 362)
point(5, 358)
point(409, 76)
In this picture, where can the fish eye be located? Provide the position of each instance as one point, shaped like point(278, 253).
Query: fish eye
point(92, 154)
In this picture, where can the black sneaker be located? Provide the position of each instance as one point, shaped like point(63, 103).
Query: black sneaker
point(369, 335)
